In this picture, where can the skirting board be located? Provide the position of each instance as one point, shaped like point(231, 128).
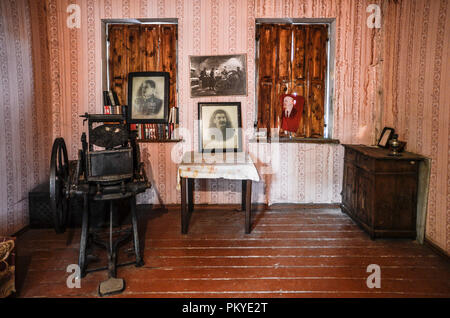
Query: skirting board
point(258, 206)
point(437, 249)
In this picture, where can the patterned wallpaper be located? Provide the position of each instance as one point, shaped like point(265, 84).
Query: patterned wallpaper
point(24, 109)
point(388, 76)
point(416, 99)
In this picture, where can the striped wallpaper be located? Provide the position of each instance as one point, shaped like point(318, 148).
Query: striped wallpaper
point(392, 76)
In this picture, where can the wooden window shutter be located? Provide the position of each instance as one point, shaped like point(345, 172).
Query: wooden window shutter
point(118, 60)
point(266, 86)
point(141, 48)
point(316, 67)
point(302, 71)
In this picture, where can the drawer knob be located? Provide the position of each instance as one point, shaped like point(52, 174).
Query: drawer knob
point(412, 162)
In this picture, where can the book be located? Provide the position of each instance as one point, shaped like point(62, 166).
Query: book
point(106, 100)
point(117, 109)
point(115, 98)
point(107, 110)
point(173, 123)
point(111, 98)
point(139, 131)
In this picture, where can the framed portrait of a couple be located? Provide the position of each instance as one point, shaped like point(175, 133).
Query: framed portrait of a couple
point(220, 127)
point(148, 97)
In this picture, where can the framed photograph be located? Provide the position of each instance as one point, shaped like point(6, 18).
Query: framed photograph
point(218, 75)
point(148, 97)
point(386, 135)
point(220, 127)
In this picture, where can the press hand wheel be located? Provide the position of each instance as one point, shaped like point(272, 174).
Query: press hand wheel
point(59, 185)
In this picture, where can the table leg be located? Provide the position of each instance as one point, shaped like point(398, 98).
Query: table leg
point(184, 211)
point(244, 194)
point(248, 206)
point(190, 193)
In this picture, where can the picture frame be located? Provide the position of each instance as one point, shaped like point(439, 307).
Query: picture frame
point(148, 97)
point(229, 75)
point(220, 127)
point(385, 136)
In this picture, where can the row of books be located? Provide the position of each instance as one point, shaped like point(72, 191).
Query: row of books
point(153, 131)
point(111, 103)
point(113, 110)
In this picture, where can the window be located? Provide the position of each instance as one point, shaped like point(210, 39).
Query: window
point(140, 47)
point(292, 59)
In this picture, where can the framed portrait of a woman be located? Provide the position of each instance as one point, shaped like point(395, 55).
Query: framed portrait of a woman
point(148, 97)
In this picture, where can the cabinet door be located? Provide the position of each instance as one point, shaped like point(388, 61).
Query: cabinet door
point(396, 202)
point(349, 186)
point(364, 197)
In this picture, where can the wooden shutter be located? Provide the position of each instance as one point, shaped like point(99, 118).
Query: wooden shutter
point(267, 59)
point(303, 72)
point(141, 48)
point(299, 72)
point(283, 68)
point(316, 66)
point(118, 61)
point(168, 57)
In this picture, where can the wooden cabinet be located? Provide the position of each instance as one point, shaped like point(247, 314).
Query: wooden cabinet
point(379, 191)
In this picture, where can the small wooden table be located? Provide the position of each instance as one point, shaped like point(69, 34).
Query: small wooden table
point(233, 166)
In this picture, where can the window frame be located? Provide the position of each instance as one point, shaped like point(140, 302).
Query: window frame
point(329, 76)
point(105, 46)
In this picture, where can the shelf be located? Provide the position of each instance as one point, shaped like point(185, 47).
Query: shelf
point(297, 140)
point(159, 141)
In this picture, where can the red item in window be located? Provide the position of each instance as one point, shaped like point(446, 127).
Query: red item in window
point(291, 112)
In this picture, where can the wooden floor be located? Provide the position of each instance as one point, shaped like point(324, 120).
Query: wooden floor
point(290, 253)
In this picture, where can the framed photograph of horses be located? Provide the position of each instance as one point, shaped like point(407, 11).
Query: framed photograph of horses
point(218, 75)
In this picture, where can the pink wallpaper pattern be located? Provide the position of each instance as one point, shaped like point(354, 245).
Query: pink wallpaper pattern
point(389, 76)
point(24, 128)
point(416, 101)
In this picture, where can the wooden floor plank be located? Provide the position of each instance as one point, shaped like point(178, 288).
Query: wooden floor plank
point(290, 253)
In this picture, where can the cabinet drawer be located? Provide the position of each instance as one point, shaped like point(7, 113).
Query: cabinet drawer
point(365, 162)
point(408, 166)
